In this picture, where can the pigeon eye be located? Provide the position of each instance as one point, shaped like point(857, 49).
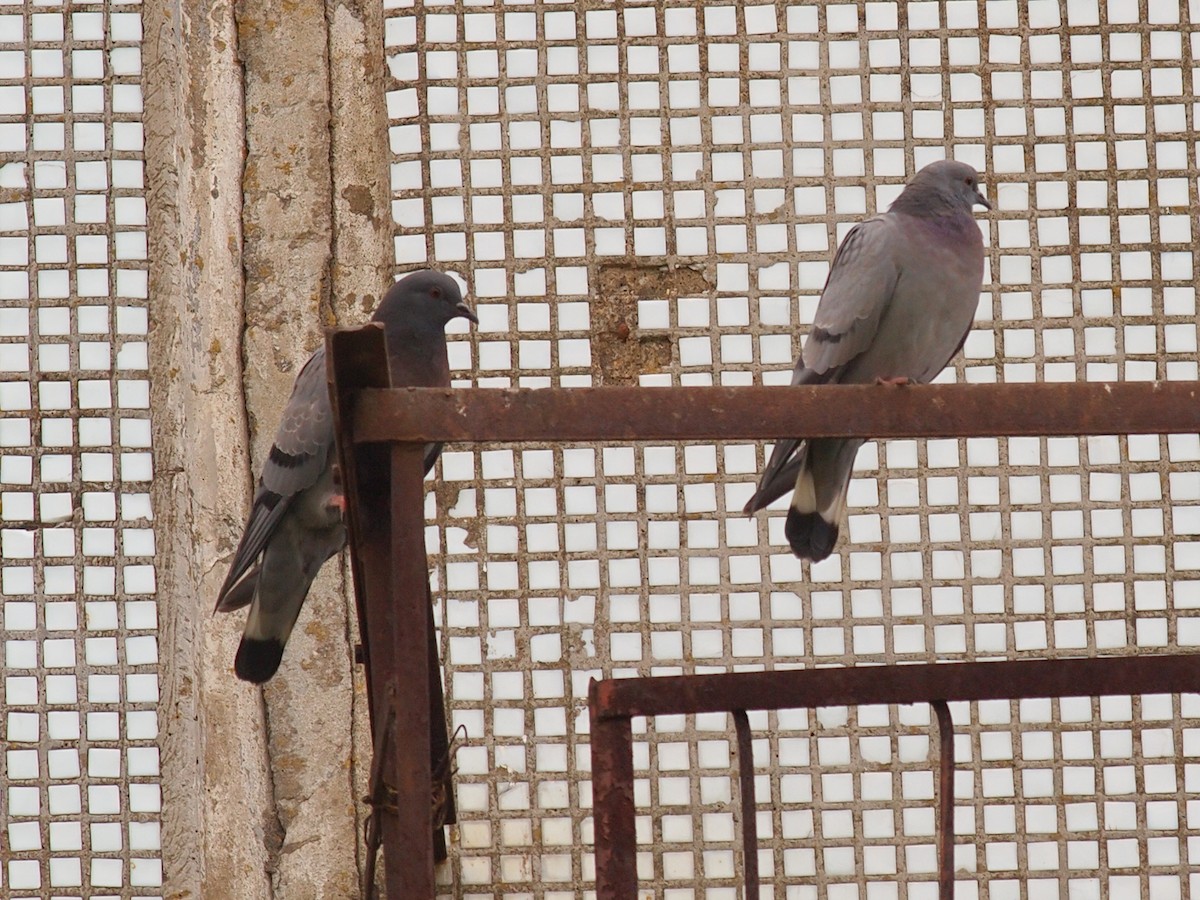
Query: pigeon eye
point(435, 293)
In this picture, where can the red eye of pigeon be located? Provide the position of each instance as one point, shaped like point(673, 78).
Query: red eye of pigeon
point(436, 293)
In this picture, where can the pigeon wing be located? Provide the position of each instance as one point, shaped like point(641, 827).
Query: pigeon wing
point(861, 283)
point(857, 292)
point(298, 457)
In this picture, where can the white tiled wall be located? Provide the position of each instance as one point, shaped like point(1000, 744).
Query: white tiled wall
point(80, 769)
point(551, 152)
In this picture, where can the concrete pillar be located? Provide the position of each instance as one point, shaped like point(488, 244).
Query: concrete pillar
point(269, 206)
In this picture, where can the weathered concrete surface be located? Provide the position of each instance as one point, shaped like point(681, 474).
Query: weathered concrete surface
point(215, 789)
point(270, 217)
point(288, 221)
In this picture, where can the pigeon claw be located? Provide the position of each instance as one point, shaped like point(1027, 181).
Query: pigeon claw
point(894, 380)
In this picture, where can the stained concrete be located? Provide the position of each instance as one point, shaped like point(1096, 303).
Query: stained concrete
point(269, 221)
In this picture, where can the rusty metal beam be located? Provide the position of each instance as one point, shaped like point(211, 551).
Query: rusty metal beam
point(613, 815)
point(945, 799)
point(411, 857)
point(755, 413)
point(384, 489)
point(859, 685)
point(745, 758)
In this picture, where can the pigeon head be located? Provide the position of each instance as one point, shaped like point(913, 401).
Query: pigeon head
point(941, 187)
point(423, 298)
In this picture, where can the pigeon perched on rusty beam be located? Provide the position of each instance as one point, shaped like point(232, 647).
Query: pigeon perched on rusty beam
point(295, 524)
point(896, 308)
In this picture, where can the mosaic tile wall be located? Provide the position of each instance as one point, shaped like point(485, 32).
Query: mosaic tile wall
point(651, 193)
point(80, 801)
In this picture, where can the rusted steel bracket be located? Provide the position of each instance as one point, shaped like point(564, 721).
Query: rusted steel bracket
point(385, 492)
point(614, 703)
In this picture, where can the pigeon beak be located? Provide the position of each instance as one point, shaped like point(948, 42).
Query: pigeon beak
point(466, 312)
point(981, 200)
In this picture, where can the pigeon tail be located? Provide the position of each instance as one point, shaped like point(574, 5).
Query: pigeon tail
point(810, 536)
point(811, 531)
point(281, 592)
point(819, 500)
point(257, 660)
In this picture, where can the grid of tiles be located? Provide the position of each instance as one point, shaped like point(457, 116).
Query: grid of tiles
point(651, 193)
point(80, 807)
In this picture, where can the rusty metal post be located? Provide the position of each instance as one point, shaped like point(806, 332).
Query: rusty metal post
point(408, 858)
point(384, 487)
point(745, 755)
point(612, 803)
point(371, 511)
point(355, 360)
point(945, 826)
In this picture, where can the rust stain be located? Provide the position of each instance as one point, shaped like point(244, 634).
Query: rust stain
point(317, 630)
point(358, 198)
point(447, 495)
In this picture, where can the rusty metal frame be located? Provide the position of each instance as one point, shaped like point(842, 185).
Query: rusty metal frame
point(615, 703)
point(381, 434)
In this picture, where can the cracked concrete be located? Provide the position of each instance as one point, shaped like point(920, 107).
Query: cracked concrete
point(269, 207)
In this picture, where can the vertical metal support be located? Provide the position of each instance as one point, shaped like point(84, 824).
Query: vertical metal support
point(945, 795)
point(745, 754)
point(373, 488)
point(408, 857)
point(441, 748)
point(612, 803)
point(377, 795)
point(384, 487)
point(357, 359)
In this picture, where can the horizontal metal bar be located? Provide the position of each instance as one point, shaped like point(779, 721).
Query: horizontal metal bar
point(750, 413)
point(859, 685)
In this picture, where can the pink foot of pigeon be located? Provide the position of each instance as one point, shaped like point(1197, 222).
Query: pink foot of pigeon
point(338, 502)
point(894, 381)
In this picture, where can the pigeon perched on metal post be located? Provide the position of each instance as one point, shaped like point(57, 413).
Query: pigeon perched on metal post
point(296, 522)
point(896, 308)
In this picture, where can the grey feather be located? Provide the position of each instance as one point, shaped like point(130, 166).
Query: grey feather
point(295, 523)
point(898, 304)
point(299, 455)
